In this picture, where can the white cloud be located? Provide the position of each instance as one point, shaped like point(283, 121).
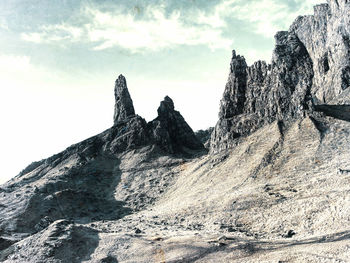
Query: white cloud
point(156, 31)
point(54, 33)
point(3, 24)
point(14, 63)
point(4, 27)
point(266, 17)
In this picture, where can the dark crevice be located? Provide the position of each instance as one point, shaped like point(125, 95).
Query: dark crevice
point(341, 112)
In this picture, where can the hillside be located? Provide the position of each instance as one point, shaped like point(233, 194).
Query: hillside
point(271, 185)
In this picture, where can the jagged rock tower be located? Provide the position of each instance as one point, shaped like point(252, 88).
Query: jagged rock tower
point(124, 107)
point(171, 131)
point(310, 65)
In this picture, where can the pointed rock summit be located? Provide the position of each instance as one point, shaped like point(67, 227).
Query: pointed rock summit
point(124, 108)
point(234, 96)
point(166, 106)
point(171, 131)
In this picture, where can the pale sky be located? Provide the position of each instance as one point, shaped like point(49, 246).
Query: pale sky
point(59, 60)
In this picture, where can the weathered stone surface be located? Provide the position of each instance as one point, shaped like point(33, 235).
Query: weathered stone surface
point(326, 36)
point(310, 64)
point(171, 132)
point(234, 98)
point(204, 136)
point(124, 107)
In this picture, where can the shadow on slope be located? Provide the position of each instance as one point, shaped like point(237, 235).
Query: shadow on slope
point(250, 247)
point(62, 241)
point(83, 194)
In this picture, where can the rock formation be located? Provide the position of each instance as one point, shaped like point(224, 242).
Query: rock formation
point(171, 132)
point(326, 38)
point(124, 107)
point(315, 48)
point(88, 171)
point(204, 136)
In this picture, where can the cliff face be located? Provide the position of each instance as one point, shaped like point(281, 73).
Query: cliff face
point(310, 65)
point(326, 36)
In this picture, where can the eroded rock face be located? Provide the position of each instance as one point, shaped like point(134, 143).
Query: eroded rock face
point(326, 38)
point(204, 136)
point(310, 63)
point(171, 132)
point(234, 98)
point(124, 107)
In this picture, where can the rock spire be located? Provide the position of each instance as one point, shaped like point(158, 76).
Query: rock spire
point(124, 108)
point(171, 132)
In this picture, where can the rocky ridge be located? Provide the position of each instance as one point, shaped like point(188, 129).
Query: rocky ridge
point(310, 65)
point(80, 181)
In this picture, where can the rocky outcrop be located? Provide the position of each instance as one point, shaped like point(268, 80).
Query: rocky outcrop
point(124, 107)
point(135, 192)
point(326, 36)
point(171, 132)
point(315, 48)
point(204, 136)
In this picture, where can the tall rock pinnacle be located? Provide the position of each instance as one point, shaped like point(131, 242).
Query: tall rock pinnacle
point(234, 97)
point(124, 107)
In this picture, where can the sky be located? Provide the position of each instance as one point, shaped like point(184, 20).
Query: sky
point(59, 60)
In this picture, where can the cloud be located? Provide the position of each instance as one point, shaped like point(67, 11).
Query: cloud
point(158, 28)
point(54, 33)
point(3, 24)
point(155, 31)
point(266, 17)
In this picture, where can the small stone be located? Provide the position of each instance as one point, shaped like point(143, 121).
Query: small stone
point(290, 234)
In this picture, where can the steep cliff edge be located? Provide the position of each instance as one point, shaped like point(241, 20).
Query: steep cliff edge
point(310, 65)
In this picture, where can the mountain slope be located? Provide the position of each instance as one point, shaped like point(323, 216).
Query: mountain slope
point(273, 188)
